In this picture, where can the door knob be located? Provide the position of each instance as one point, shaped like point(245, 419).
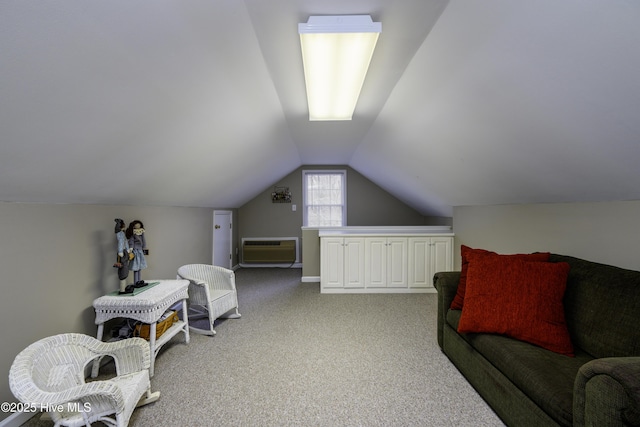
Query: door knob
point(217, 226)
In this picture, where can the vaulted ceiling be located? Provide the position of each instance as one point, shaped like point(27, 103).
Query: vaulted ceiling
point(202, 102)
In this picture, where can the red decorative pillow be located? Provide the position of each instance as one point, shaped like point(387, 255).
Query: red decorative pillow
point(465, 251)
point(519, 299)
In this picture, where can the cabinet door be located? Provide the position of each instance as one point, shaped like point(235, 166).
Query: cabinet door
point(332, 262)
point(375, 262)
point(397, 262)
point(419, 264)
point(441, 258)
point(354, 262)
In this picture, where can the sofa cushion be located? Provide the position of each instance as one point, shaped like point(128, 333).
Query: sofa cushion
point(602, 307)
point(546, 377)
point(466, 251)
point(519, 299)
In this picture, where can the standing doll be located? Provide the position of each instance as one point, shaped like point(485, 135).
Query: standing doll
point(125, 255)
point(137, 242)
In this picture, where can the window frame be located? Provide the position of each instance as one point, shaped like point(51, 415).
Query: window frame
point(305, 205)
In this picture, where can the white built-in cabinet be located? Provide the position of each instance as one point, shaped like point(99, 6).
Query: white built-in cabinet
point(429, 255)
point(379, 263)
point(344, 268)
point(386, 261)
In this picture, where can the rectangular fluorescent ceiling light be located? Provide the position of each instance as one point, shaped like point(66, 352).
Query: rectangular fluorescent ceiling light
point(336, 52)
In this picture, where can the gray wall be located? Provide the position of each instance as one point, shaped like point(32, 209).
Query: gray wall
point(367, 205)
point(601, 232)
point(311, 251)
point(56, 259)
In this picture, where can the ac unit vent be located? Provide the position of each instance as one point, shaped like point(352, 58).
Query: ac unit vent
point(273, 251)
point(263, 243)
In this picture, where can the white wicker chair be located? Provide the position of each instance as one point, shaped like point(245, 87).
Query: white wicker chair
point(212, 294)
point(50, 374)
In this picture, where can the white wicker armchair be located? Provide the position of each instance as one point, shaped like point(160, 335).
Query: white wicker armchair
point(50, 374)
point(212, 294)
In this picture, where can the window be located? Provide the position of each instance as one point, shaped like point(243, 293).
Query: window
point(324, 194)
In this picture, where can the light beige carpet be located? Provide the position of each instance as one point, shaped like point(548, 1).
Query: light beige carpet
point(300, 358)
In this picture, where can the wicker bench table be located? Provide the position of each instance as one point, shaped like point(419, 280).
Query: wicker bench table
point(147, 307)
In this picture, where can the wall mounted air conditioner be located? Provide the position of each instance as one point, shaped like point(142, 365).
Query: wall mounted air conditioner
point(281, 250)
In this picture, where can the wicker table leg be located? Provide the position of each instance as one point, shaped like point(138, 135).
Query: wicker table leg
point(96, 362)
point(152, 347)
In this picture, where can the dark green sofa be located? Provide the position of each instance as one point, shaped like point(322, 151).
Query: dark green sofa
point(527, 385)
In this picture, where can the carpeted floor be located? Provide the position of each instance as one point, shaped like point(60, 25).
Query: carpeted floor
point(300, 358)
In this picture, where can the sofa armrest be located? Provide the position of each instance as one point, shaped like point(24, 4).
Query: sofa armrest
point(607, 392)
point(446, 283)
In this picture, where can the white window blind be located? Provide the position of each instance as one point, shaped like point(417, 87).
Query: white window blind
point(324, 194)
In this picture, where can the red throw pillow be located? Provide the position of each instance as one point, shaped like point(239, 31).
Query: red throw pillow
point(519, 299)
point(465, 251)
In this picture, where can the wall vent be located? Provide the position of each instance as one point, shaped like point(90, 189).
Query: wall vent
point(269, 250)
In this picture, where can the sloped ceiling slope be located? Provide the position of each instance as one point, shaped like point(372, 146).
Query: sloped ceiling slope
point(158, 102)
point(202, 103)
point(514, 102)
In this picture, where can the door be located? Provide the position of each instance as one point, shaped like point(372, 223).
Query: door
point(397, 262)
point(441, 259)
point(222, 231)
point(354, 262)
point(332, 262)
point(375, 260)
point(419, 263)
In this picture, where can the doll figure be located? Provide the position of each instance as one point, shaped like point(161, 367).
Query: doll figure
point(124, 256)
point(138, 244)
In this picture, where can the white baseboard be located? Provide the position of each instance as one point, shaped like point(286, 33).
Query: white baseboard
point(311, 279)
point(378, 291)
